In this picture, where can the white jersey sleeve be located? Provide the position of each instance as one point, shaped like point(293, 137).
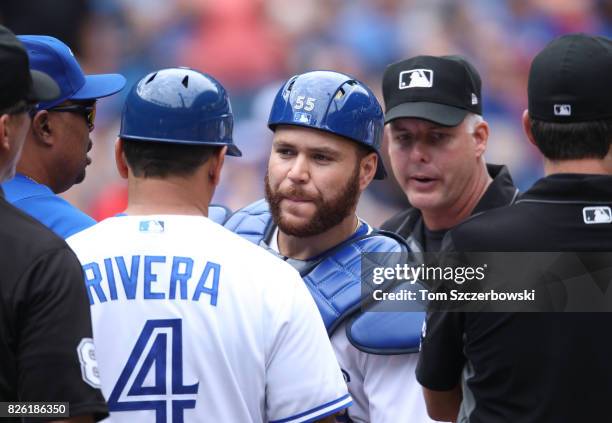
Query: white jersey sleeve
point(384, 387)
point(304, 379)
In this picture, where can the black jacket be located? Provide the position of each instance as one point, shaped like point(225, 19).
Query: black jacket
point(530, 367)
point(45, 324)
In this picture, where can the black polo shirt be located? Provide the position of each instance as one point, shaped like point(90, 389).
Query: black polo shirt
point(529, 367)
point(44, 317)
point(410, 225)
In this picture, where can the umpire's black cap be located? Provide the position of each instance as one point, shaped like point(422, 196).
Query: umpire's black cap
point(440, 89)
point(570, 80)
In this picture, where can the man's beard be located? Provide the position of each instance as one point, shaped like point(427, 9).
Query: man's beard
point(329, 212)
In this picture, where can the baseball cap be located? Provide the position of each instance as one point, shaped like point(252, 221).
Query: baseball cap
point(17, 80)
point(570, 80)
point(441, 89)
point(50, 55)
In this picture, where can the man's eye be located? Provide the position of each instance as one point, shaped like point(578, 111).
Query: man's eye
point(439, 136)
point(404, 139)
point(284, 152)
point(321, 158)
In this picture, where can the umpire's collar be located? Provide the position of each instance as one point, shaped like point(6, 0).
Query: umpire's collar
point(501, 192)
point(564, 187)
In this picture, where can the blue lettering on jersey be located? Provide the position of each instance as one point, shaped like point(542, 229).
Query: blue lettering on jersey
point(180, 276)
point(150, 277)
point(129, 279)
point(108, 265)
point(101, 279)
point(169, 388)
point(93, 279)
point(202, 288)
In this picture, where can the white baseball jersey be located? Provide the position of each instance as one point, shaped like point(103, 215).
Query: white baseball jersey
point(383, 387)
point(192, 323)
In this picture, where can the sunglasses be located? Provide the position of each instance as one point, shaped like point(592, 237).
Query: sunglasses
point(87, 111)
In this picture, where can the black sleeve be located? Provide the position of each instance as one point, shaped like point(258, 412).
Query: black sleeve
point(441, 358)
point(55, 353)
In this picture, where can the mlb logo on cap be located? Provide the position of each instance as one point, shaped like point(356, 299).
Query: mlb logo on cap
point(601, 214)
point(410, 92)
point(563, 110)
point(416, 78)
point(570, 80)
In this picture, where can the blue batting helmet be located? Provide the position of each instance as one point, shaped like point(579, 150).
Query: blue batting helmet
point(332, 102)
point(180, 106)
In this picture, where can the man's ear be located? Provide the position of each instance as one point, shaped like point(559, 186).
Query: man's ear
point(527, 127)
point(5, 144)
point(120, 160)
point(216, 164)
point(9, 124)
point(367, 170)
point(481, 137)
point(41, 128)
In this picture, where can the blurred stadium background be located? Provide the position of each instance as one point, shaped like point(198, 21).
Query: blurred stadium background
point(251, 46)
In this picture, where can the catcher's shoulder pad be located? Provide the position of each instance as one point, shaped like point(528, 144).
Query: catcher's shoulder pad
point(386, 333)
point(251, 222)
point(335, 280)
point(389, 332)
point(218, 213)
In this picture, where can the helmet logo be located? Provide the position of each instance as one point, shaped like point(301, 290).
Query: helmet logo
point(416, 78)
point(307, 105)
point(301, 117)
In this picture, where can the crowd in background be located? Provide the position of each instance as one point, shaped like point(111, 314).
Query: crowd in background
point(251, 46)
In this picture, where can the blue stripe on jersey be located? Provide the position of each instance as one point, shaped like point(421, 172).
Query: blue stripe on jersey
point(312, 410)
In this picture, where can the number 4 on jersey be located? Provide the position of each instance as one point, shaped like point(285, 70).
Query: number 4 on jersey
point(151, 355)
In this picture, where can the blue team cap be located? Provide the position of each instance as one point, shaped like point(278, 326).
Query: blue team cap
point(53, 57)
